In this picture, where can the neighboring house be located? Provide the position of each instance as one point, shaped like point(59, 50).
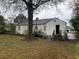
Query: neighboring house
point(48, 26)
point(70, 32)
point(70, 29)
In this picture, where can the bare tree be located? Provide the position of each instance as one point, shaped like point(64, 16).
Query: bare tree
point(31, 6)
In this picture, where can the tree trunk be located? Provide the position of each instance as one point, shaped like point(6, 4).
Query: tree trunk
point(30, 19)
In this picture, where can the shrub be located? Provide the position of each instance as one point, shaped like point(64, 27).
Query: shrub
point(2, 25)
point(57, 37)
point(65, 37)
point(35, 34)
point(39, 34)
point(77, 35)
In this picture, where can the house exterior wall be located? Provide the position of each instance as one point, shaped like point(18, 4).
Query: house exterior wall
point(50, 27)
point(70, 30)
point(22, 30)
point(40, 28)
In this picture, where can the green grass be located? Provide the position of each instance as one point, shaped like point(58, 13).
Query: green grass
point(77, 49)
point(12, 47)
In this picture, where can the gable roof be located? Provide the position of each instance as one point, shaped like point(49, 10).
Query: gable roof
point(42, 21)
point(39, 22)
point(70, 27)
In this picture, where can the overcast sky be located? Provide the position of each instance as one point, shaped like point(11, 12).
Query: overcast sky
point(63, 12)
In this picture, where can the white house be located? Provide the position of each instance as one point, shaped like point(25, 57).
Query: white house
point(70, 29)
point(48, 26)
point(70, 32)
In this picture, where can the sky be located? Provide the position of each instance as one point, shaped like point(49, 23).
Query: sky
point(63, 12)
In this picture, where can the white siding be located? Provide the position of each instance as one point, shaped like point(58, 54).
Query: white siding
point(40, 27)
point(25, 28)
point(51, 26)
point(22, 29)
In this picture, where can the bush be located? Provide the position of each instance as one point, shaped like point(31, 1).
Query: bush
point(77, 35)
point(7, 32)
point(2, 25)
point(57, 37)
point(39, 34)
point(35, 34)
point(65, 37)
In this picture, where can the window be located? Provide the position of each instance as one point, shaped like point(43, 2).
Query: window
point(44, 27)
point(18, 27)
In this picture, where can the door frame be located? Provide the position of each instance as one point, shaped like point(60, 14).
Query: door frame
point(57, 29)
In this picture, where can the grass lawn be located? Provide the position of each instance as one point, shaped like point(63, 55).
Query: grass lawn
point(12, 47)
point(77, 50)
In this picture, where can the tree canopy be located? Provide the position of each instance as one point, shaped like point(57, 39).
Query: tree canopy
point(75, 23)
point(20, 18)
point(2, 24)
point(75, 19)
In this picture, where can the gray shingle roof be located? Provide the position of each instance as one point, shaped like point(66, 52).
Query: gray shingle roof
point(38, 22)
point(70, 27)
point(42, 21)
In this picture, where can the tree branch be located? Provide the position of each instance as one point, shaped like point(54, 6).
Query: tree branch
point(40, 3)
point(25, 2)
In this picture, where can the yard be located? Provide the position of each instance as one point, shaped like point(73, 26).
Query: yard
point(13, 47)
point(77, 50)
